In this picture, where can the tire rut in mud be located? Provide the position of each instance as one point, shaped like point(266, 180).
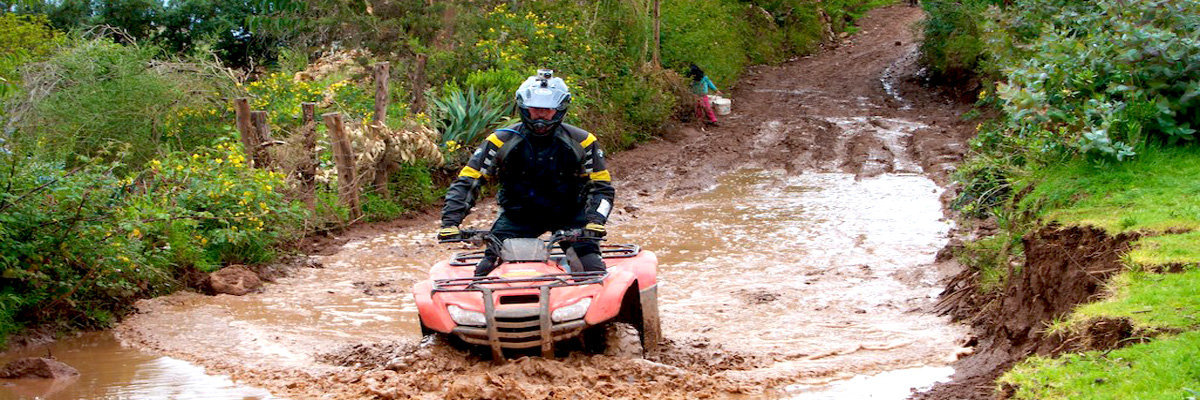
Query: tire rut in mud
point(398, 370)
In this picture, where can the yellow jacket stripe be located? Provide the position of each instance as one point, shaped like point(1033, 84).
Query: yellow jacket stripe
point(470, 172)
point(601, 176)
point(591, 138)
point(495, 140)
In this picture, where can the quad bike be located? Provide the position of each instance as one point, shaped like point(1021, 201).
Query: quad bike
point(537, 295)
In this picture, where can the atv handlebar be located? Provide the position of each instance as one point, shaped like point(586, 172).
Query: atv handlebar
point(485, 237)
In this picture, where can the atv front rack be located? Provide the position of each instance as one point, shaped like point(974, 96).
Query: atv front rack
point(524, 327)
point(470, 258)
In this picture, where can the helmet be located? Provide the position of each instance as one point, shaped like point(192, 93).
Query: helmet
point(543, 91)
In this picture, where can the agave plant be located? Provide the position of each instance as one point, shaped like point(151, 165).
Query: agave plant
point(466, 117)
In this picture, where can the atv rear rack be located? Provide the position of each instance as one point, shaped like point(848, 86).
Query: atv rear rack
point(519, 328)
point(469, 258)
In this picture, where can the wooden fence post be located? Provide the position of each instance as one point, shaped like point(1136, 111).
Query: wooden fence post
point(262, 137)
point(657, 36)
point(308, 166)
point(380, 75)
point(383, 167)
point(343, 156)
point(245, 127)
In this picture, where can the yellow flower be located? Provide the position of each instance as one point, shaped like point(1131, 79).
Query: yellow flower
point(137, 233)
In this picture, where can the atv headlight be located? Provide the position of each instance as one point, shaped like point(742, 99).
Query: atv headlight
point(574, 311)
point(466, 317)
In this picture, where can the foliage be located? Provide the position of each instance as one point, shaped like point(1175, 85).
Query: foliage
point(707, 33)
point(412, 187)
point(23, 39)
point(466, 117)
point(1115, 72)
point(97, 92)
point(78, 244)
point(995, 257)
point(1165, 368)
point(953, 45)
point(185, 27)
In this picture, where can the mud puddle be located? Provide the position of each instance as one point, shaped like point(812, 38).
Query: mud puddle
point(772, 286)
point(111, 371)
point(823, 274)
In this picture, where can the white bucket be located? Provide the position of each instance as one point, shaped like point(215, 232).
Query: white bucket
point(721, 105)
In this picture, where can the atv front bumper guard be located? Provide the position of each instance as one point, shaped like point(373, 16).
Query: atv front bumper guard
point(524, 327)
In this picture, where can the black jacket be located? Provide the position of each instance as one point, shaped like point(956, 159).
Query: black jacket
point(545, 179)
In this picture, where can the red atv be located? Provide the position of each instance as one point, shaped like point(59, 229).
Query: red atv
point(536, 298)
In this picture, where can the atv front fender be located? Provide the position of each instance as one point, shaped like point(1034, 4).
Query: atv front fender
point(607, 304)
point(433, 314)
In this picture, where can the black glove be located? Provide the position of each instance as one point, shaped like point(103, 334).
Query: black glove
point(594, 231)
point(449, 233)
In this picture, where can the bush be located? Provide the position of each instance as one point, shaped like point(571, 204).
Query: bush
point(465, 118)
point(1103, 77)
point(952, 48)
point(78, 244)
point(96, 92)
point(23, 39)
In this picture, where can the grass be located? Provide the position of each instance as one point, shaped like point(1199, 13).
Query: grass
point(1155, 193)
point(1166, 368)
point(1166, 250)
point(1151, 301)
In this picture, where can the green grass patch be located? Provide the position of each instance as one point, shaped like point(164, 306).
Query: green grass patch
point(1155, 191)
point(1166, 368)
point(992, 256)
point(1152, 301)
point(1167, 249)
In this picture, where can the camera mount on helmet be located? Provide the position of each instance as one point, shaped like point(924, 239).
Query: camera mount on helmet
point(543, 91)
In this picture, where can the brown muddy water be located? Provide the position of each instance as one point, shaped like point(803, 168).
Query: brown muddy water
point(819, 278)
point(109, 370)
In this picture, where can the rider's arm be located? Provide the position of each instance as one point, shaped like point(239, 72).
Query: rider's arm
point(460, 198)
point(600, 190)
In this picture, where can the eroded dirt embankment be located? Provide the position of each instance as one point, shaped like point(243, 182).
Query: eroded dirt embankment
point(814, 274)
point(1063, 268)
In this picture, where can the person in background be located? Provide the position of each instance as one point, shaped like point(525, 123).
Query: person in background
point(700, 87)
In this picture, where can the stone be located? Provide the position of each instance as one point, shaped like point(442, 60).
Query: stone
point(236, 280)
point(37, 367)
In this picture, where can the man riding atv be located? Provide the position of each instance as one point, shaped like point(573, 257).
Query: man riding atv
point(551, 174)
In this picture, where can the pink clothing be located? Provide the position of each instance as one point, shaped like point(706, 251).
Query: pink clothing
point(704, 108)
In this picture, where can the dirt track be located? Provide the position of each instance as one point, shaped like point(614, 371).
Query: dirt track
point(824, 114)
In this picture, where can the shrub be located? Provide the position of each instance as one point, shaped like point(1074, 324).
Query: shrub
point(23, 39)
point(1103, 77)
point(97, 92)
point(953, 45)
point(78, 244)
point(466, 117)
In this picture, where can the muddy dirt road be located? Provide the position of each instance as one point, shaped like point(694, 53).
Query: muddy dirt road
point(797, 245)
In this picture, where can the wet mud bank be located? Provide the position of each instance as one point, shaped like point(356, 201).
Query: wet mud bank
point(1064, 267)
